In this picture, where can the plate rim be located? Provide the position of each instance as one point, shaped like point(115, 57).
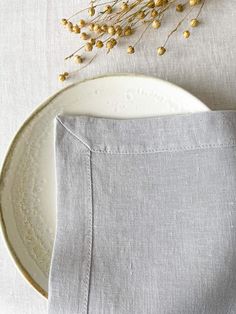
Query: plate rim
point(4, 166)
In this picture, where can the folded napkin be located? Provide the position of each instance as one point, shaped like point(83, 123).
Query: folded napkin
point(146, 213)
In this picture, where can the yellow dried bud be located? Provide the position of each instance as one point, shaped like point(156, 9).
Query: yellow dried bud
point(88, 47)
point(194, 22)
point(97, 28)
point(154, 13)
point(124, 6)
point(194, 2)
point(108, 9)
point(119, 30)
point(70, 26)
point(114, 42)
point(92, 41)
point(64, 21)
point(141, 15)
point(91, 11)
point(111, 30)
point(91, 26)
point(130, 50)
point(156, 24)
point(81, 23)
point(84, 36)
point(179, 8)
point(104, 28)
point(151, 4)
point(99, 44)
point(78, 59)
point(158, 3)
point(110, 44)
point(186, 34)
point(61, 77)
point(161, 51)
point(128, 31)
point(76, 29)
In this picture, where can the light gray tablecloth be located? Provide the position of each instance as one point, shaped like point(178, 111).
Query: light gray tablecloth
point(32, 48)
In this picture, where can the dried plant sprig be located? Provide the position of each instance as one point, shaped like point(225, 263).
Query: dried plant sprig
point(110, 22)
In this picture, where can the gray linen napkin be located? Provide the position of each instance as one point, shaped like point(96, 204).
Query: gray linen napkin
point(146, 215)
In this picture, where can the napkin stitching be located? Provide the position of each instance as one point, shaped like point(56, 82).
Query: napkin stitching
point(149, 151)
point(90, 239)
point(170, 150)
point(73, 134)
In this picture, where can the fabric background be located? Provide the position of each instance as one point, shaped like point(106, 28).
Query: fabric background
point(32, 48)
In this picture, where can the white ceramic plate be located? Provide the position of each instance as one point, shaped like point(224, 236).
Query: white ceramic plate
point(27, 183)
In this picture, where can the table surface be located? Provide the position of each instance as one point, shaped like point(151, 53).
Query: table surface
point(32, 48)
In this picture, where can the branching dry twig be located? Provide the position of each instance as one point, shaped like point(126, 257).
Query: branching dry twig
point(104, 29)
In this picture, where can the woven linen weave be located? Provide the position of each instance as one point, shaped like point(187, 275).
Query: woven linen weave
point(146, 215)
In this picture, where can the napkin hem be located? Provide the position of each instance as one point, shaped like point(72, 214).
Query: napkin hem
point(209, 141)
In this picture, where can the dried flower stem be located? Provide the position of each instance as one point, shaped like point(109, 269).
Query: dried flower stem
point(141, 36)
point(200, 10)
point(177, 27)
point(86, 9)
point(87, 64)
point(104, 29)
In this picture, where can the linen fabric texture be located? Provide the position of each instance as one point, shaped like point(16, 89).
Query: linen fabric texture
point(204, 65)
point(146, 213)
